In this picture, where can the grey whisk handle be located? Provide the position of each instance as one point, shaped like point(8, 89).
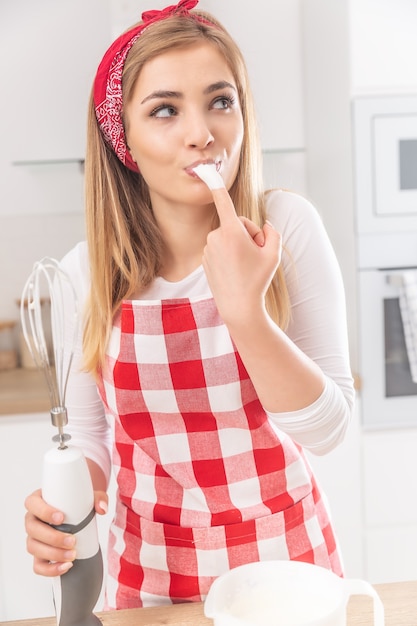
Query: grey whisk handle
point(80, 589)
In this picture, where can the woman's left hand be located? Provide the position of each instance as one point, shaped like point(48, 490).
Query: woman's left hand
point(239, 259)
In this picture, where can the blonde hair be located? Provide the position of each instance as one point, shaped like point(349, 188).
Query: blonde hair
point(124, 242)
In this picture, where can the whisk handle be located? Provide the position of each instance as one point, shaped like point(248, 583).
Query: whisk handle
point(67, 486)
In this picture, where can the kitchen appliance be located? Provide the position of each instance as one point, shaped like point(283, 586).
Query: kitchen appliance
point(66, 482)
point(385, 169)
point(293, 593)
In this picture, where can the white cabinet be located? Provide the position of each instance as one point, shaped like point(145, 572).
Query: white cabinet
point(371, 484)
point(390, 478)
point(391, 553)
point(23, 441)
point(390, 505)
point(55, 48)
point(339, 474)
point(49, 52)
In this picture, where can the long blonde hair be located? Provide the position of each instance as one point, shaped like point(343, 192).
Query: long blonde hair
point(124, 242)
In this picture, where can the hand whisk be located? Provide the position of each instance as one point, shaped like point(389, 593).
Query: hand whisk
point(52, 362)
point(66, 483)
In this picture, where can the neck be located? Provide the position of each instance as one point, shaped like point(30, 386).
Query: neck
point(185, 236)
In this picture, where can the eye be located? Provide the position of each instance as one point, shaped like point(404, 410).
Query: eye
point(164, 110)
point(224, 102)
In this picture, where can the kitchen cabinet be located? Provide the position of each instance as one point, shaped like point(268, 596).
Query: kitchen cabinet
point(51, 74)
point(23, 441)
point(370, 482)
point(390, 504)
point(390, 478)
point(48, 55)
point(340, 475)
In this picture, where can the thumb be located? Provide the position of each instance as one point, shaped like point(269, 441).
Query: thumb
point(101, 502)
point(269, 230)
point(253, 230)
point(272, 237)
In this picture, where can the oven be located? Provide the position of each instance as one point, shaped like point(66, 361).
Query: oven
point(385, 167)
point(389, 394)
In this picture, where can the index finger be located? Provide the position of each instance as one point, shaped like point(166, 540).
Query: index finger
point(37, 506)
point(224, 205)
point(223, 202)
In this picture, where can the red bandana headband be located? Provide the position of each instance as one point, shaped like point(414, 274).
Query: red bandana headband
point(108, 99)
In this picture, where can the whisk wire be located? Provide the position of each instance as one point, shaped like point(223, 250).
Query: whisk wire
point(56, 363)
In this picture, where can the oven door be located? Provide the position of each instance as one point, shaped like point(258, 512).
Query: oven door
point(389, 395)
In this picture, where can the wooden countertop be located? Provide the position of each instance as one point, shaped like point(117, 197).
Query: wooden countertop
point(23, 391)
point(399, 599)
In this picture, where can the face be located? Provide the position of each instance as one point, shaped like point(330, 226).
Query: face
point(184, 111)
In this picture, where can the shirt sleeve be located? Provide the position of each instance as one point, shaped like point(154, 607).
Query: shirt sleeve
point(87, 423)
point(318, 323)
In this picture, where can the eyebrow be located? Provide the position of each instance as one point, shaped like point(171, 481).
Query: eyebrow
point(221, 84)
point(164, 93)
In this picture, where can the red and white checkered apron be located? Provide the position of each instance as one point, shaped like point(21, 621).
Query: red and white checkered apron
point(205, 481)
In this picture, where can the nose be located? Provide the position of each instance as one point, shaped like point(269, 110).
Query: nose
point(198, 132)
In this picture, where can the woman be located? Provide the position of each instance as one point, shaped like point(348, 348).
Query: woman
point(215, 352)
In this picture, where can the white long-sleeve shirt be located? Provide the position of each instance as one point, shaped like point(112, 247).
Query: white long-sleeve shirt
point(318, 327)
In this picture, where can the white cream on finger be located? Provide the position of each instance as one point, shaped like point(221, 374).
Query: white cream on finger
point(209, 175)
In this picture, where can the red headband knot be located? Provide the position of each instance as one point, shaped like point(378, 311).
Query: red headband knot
point(108, 100)
point(182, 8)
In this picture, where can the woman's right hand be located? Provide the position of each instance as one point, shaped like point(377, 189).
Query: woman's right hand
point(53, 551)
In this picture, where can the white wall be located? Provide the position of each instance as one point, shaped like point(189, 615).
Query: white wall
point(48, 54)
point(325, 27)
point(383, 46)
point(270, 39)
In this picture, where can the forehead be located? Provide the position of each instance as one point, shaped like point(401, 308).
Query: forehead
point(199, 64)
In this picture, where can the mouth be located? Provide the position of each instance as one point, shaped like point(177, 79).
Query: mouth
point(190, 168)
